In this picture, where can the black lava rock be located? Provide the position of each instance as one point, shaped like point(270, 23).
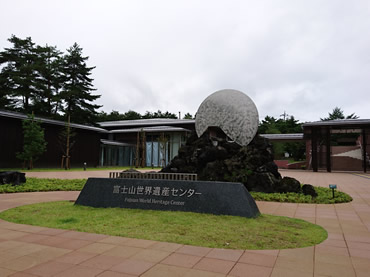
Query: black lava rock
point(309, 190)
point(12, 177)
point(288, 184)
point(217, 159)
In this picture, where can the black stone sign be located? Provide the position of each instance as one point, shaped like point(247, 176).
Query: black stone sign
point(219, 198)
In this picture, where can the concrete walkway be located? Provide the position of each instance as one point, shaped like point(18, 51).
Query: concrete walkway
point(38, 251)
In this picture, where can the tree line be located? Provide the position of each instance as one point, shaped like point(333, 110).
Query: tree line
point(46, 81)
point(53, 84)
point(132, 115)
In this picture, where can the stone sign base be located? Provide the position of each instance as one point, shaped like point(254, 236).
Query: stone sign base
point(218, 198)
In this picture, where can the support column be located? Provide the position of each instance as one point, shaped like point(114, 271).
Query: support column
point(102, 155)
point(328, 150)
point(364, 142)
point(314, 149)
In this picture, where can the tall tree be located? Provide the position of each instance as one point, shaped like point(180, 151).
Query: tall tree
point(77, 90)
point(289, 125)
point(6, 97)
point(18, 74)
point(271, 125)
point(34, 144)
point(338, 113)
point(267, 124)
point(49, 80)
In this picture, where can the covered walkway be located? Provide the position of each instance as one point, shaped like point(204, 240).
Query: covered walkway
point(319, 136)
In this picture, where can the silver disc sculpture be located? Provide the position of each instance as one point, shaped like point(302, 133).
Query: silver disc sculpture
point(230, 110)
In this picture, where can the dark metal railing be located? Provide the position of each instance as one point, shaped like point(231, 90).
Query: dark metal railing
point(154, 175)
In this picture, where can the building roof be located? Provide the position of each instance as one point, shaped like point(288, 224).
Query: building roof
point(346, 123)
point(151, 129)
point(22, 116)
point(146, 122)
point(296, 136)
point(115, 143)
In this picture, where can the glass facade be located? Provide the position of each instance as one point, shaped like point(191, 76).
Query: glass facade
point(159, 150)
point(113, 155)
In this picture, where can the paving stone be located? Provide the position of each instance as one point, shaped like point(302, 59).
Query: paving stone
point(103, 262)
point(49, 268)
point(194, 250)
point(114, 274)
point(182, 260)
point(75, 257)
point(6, 272)
point(161, 270)
point(80, 271)
point(248, 270)
point(165, 246)
point(225, 254)
point(97, 248)
point(150, 255)
point(215, 265)
point(123, 251)
point(258, 259)
point(132, 267)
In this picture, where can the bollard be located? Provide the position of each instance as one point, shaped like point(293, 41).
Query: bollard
point(85, 164)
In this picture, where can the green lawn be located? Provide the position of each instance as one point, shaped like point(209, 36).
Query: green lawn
point(264, 232)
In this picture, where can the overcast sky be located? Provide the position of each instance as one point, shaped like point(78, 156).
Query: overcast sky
point(302, 57)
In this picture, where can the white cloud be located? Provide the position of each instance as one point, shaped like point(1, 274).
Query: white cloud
point(302, 57)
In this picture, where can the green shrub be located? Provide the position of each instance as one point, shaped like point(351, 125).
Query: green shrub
point(38, 184)
point(325, 196)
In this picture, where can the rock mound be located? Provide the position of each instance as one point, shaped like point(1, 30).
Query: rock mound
point(215, 158)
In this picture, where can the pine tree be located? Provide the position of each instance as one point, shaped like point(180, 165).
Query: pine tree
point(76, 92)
point(34, 144)
point(49, 80)
point(338, 113)
point(6, 97)
point(17, 81)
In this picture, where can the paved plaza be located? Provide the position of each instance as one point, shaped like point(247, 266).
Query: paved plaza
point(37, 251)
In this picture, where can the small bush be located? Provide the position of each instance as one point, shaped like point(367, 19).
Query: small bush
point(38, 184)
point(325, 196)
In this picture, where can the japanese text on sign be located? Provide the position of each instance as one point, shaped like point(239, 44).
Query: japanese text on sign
point(155, 191)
